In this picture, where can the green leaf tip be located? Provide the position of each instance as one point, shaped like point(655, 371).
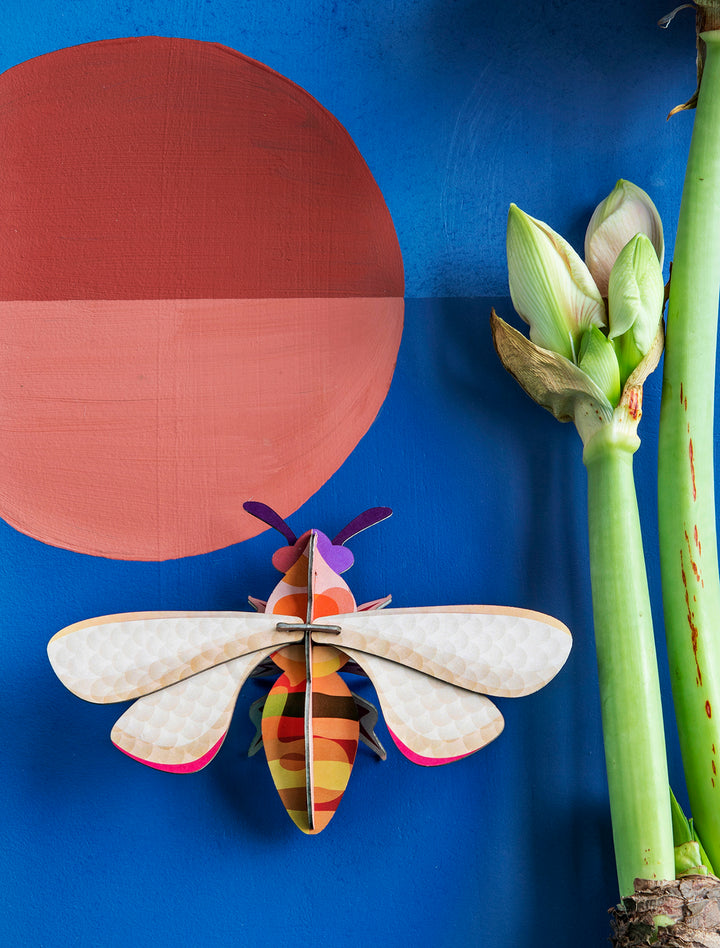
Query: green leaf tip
point(690, 856)
point(636, 296)
point(597, 359)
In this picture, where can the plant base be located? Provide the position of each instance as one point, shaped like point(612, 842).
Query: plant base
point(690, 906)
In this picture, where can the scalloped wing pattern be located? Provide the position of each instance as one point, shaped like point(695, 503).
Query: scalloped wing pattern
point(120, 657)
point(180, 728)
point(494, 650)
point(432, 722)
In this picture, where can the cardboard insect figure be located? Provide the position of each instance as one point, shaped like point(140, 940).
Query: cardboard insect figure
point(431, 668)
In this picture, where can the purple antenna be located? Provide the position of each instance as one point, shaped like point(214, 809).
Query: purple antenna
point(364, 520)
point(272, 519)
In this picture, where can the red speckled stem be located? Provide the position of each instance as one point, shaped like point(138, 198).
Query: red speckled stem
point(688, 544)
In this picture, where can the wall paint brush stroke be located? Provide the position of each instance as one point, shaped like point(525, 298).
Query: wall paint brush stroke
point(201, 296)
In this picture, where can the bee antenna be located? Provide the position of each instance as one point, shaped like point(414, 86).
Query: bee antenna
point(364, 520)
point(272, 519)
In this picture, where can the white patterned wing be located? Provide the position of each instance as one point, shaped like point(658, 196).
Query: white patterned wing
point(489, 649)
point(431, 722)
point(183, 726)
point(120, 657)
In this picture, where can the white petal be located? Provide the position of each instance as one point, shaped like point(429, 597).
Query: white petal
point(626, 211)
point(550, 286)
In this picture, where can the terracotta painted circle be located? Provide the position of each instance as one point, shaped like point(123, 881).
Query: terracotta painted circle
point(201, 293)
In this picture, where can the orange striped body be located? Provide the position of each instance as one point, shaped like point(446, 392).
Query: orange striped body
point(333, 741)
point(310, 724)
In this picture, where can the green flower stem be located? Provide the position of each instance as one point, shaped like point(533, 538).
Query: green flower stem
point(688, 544)
point(627, 667)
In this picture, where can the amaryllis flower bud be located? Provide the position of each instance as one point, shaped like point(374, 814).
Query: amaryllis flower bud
point(550, 286)
point(636, 294)
point(626, 211)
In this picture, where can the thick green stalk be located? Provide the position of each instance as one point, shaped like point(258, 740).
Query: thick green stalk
point(629, 687)
point(688, 544)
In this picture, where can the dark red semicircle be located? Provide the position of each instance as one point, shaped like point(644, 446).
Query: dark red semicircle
point(154, 168)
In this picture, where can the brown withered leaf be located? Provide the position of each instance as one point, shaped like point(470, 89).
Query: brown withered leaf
point(550, 379)
point(707, 17)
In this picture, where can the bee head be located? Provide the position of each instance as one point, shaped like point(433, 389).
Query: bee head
point(334, 551)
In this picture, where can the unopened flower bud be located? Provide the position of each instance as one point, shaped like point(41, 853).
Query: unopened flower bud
point(636, 295)
point(597, 359)
point(626, 211)
point(550, 286)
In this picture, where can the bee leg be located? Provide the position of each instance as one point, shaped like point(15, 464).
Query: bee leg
point(368, 718)
point(265, 669)
point(256, 710)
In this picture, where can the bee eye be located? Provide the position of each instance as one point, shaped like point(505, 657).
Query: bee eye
point(337, 557)
point(286, 557)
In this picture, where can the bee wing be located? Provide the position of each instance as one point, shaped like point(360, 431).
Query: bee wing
point(180, 728)
point(490, 649)
point(431, 721)
point(120, 657)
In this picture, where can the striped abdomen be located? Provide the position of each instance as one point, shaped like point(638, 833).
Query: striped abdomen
point(332, 742)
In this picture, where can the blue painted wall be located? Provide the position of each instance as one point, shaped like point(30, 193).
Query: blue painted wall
point(459, 107)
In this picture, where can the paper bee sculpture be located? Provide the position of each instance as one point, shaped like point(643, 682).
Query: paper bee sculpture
point(431, 668)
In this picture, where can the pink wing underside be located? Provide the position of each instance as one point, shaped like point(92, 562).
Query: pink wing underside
point(432, 667)
point(431, 722)
point(182, 727)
